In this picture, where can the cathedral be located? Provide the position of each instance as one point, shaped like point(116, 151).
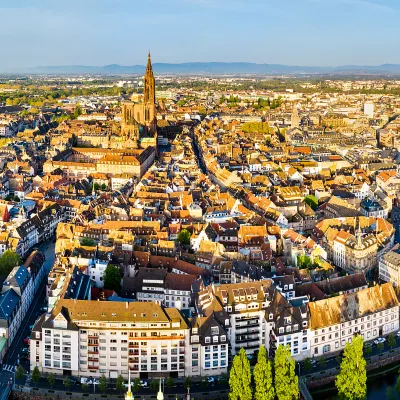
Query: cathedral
point(139, 118)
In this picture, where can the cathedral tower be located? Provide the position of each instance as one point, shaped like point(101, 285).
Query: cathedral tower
point(149, 99)
point(149, 84)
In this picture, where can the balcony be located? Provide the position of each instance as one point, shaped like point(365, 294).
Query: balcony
point(247, 339)
point(247, 330)
point(93, 337)
point(248, 347)
point(133, 352)
point(248, 324)
point(93, 359)
point(93, 352)
point(133, 346)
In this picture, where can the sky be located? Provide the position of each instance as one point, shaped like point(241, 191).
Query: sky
point(291, 32)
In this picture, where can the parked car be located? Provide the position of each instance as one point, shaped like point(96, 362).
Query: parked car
point(210, 379)
point(26, 340)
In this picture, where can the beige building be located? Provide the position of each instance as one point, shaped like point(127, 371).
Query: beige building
point(80, 338)
point(370, 312)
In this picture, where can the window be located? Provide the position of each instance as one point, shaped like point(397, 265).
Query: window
point(208, 339)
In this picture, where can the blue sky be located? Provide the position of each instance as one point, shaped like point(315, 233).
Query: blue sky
point(294, 32)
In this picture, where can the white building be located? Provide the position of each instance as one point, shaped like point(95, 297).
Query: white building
point(389, 266)
point(82, 339)
point(369, 109)
point(370, 312)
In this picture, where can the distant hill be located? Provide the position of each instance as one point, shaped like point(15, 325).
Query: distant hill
point(218, 68)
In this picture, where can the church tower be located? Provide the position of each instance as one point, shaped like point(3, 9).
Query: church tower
point(149, 99)
point(149, 84)
point(295, 120)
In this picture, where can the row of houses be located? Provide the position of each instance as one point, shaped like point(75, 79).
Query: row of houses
point(150, 340)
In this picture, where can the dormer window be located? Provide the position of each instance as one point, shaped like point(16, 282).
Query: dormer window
point(214, 330)
point(270, 316)
point(195, 330)
point(208, 340)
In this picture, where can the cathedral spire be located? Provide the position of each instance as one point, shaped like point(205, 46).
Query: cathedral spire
point(149, 83)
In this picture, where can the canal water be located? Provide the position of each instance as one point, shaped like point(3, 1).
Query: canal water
point(376, 388)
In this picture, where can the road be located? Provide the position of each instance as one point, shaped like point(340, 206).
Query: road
point(15, 351)
point(178, 388)
point(333, 362)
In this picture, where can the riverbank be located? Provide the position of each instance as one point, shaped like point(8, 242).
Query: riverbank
point(386, 376)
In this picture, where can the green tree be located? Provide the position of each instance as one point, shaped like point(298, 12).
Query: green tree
point(103, 186)
point(8, 260)
point(154, 384)
point(224, 379)
point(240, 377)
point(169, 383)
point(96, 187)
point(312, 201)
point(184, 236)
point(112, 278)
point(87, 242)
point(322, 362)
point(51, 380)
point(264, 388)
point(77, 111)
point(187, 382)
point(351, 382)
point(367, 350)
point(380, 347)
point(390, 393)
point(303, 262)
point(84, 387)
point(136, 385)
point(398, 384)
point(391, 341)
point(286, 381)
point(103, 384)
point(307, 364)
point(35, 375)
point(67, 382)
point(120, 383)
point(20, 372)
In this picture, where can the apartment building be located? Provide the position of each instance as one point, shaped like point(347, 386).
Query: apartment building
point(209, 347)
point(370, 312)
point(16, 296)
point(389, 266)
point(80, 338)
point(159, 285)
point(288, 322)
point(242, 308)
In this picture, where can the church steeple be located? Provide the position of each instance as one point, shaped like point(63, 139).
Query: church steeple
point(149, 83)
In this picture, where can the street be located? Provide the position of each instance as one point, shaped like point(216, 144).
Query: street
point(334, 362)
point(15, 350)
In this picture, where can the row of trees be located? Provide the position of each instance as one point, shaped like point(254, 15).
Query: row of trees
point(271, 379)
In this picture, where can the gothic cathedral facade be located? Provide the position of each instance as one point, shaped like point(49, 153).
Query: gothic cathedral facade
point(140, 119)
